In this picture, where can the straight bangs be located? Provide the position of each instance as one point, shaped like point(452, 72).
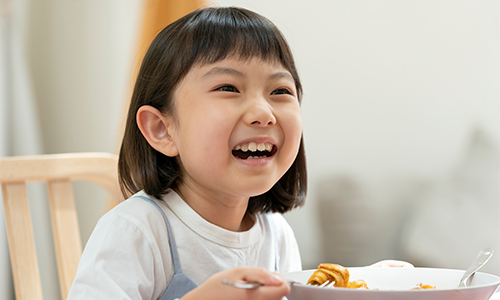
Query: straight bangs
point(202, 37)
point(235, 33)
point(213, 34)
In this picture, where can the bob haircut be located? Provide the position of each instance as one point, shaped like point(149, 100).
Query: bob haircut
point(204, 36)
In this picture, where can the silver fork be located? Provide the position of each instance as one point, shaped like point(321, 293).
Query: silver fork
point(253, 285)
point(327, 284)
point(241, 285)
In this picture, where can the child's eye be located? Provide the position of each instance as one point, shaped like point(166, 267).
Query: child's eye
point(282, 91)
point(227, 88)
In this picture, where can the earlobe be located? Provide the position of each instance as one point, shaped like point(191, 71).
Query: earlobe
point(154, 126)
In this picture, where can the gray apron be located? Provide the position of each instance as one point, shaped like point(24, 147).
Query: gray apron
point(181, 284)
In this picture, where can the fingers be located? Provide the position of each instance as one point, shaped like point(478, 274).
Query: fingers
point(271, 292)
point(391, 264)
point(274, 286)
point(260, 275)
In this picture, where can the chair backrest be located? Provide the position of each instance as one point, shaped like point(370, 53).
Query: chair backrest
point(58, 171)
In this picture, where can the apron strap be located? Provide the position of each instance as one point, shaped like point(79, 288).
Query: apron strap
point(171, 242)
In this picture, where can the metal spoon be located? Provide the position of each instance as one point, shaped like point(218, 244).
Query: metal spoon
point(483, 256)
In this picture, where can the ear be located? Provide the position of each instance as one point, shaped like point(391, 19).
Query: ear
point(155, 127)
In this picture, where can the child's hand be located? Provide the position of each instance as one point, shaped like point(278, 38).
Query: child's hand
point(391, 264)
point(274, 286)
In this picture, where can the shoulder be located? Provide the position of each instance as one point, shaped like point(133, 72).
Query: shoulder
point(133, 207)
point(276, 225)
point(136, 217)
point(126, 240)
point(280, 223)
point(132, 219)
point(289, 255)
point(134, 210)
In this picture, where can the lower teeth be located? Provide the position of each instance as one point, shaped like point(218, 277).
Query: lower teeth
point(255, 157)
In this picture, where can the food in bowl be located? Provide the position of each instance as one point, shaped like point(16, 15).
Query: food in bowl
point(421, 286)
point(397, 284)
point(338, 276)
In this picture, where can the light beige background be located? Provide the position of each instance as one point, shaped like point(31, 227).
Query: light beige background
point(400, 96)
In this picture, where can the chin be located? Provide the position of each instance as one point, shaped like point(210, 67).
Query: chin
point(258, 191)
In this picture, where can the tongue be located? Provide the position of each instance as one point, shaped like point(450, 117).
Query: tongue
point(244, 155)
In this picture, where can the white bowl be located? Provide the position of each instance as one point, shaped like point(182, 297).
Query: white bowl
point(396, 284)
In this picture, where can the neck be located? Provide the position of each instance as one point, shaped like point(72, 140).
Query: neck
point(226, 212)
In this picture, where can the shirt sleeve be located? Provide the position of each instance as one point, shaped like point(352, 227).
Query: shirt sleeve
point(289, 255)
point(117, 263)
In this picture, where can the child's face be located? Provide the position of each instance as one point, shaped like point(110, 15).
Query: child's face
point(230, 105)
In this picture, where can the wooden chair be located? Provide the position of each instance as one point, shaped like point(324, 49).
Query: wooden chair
point(58, 171)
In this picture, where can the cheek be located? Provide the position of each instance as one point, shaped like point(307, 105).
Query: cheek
point(296, 138)
point(205, 144)
point(292, 129)
point(292, 124)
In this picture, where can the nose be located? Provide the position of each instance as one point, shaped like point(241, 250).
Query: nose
point(259, 113)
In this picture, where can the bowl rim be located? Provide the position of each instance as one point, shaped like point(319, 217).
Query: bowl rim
point(496, 282)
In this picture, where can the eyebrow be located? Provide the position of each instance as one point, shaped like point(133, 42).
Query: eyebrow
point(234, 72)
point(279, 75)
point(219, 70)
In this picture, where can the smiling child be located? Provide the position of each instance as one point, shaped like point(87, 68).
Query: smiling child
point(211, 157)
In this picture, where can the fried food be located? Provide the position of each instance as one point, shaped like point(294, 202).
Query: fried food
point(421, 286)
point(339, 275)
point(332, 273)
point(357, 284)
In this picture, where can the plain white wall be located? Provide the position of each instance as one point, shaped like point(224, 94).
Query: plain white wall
point(81, 55)
point(391, 87)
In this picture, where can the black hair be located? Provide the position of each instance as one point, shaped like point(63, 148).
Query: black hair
point(204, 36)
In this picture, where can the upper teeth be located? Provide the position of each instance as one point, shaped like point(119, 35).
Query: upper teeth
point(253, 147)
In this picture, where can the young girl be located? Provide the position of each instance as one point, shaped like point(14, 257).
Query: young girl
point(213, 155)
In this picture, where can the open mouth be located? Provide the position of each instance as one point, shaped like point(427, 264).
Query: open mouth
point(254, 151)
